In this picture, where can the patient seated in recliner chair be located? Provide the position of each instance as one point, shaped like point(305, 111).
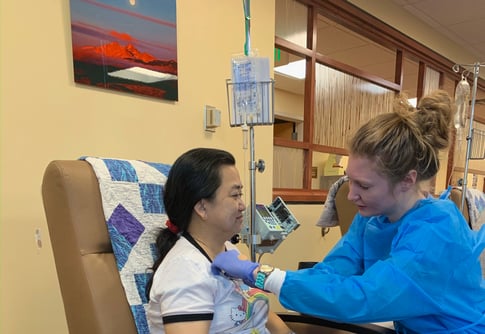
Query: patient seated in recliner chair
point(203, 201)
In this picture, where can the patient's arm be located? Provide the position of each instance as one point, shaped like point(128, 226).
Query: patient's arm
point(277, 326)
point(192, 327)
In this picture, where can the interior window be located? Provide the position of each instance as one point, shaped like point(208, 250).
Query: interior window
point(289, 73)
point(332, 73)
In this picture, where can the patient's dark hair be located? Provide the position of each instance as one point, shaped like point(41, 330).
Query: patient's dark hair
point(195, 175)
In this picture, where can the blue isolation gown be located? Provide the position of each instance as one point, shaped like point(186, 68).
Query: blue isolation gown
point(422, 272)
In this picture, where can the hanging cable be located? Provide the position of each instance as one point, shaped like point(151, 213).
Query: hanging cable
point(247, 25)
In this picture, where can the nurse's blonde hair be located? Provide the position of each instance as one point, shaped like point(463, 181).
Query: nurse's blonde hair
point(407, 138)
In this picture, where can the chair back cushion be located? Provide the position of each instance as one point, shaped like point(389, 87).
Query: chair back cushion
point(346, 210)
point(132, 199)
point(93, 296)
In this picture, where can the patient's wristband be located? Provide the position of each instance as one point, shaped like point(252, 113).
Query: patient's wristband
point(263, 272)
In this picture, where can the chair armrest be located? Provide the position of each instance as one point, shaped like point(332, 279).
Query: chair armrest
point(294, 318)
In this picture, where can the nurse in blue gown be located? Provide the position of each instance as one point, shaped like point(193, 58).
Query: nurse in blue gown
point(407, 257)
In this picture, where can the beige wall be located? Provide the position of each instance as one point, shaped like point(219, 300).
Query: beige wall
point(45, 116)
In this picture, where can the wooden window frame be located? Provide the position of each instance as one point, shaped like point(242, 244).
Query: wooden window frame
point(355, 19)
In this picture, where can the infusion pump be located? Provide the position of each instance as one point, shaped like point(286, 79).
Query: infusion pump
point(273, 224)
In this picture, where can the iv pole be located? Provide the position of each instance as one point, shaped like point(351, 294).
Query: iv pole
point(251, 97)
point(476, 70)
point(253, 238)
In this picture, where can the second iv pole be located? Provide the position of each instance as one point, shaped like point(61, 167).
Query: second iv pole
point(476, 71)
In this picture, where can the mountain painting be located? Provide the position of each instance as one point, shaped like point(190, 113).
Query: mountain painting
point(126, 45)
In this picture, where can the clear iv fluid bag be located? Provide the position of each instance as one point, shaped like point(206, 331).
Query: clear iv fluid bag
point(462, 98)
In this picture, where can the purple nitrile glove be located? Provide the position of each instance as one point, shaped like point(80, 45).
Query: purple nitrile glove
point(234, 265)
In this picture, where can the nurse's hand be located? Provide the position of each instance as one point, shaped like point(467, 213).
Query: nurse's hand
point(235, 265)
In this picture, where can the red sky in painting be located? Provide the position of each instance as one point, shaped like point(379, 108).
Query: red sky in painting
point(112, 40)
point(122, 36)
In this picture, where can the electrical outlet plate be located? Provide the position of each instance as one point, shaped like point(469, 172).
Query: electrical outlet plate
point(212, 118)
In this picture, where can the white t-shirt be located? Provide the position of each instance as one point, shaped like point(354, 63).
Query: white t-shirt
point(184, 289)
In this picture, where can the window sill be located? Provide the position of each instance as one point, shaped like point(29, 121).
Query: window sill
point(301, 196)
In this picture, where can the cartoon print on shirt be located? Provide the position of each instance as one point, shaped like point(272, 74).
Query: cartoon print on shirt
point(238, 315)
point(250, 297)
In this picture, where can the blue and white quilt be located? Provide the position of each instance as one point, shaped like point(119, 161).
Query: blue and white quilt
point(475, 201)
point(131, 192)
point(476, 209)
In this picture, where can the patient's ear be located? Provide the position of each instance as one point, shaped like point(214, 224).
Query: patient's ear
point(199, 208)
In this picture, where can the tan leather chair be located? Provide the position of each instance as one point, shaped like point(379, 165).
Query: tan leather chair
point(455, 196)
point(346, 210)
point(91, 288)
point(94, 299)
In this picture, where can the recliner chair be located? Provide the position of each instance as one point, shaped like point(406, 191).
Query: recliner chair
point(91, 288)
point(455, 196)
point(94, 299)
point(345, 209)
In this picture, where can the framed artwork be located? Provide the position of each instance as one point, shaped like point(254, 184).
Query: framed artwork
point(126, 45)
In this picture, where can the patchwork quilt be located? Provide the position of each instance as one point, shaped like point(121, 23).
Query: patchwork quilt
point(476, 209)
point(131, 192)
point(475, 200)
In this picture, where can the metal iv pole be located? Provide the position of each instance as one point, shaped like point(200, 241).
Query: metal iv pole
point(476, 70)
point(244, 95)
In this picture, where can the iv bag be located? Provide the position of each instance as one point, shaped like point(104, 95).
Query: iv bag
point(462, 97)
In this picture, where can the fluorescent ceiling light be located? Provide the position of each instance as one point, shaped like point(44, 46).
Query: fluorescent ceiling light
point(295, 69)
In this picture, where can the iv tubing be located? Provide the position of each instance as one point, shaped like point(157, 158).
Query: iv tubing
point(247, 21)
